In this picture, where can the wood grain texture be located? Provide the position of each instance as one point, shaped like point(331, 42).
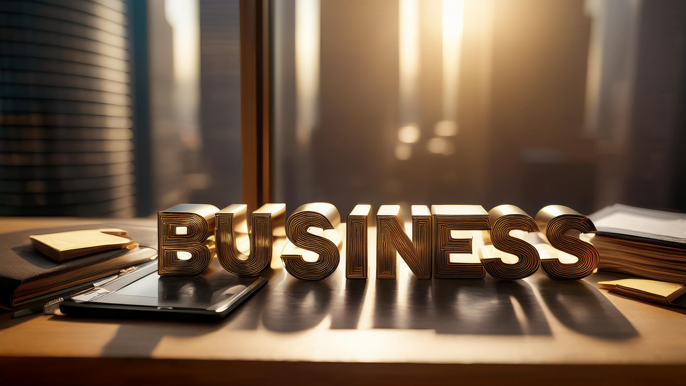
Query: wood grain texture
point(61, 371)
point(337, 331)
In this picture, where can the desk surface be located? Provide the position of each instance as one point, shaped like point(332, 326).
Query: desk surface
point(371, 332)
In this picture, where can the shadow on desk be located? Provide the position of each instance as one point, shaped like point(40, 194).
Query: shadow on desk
point(581, 307)
point(7, 320)
point(466, 307)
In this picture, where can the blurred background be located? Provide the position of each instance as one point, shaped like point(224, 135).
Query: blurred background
point(124, 108)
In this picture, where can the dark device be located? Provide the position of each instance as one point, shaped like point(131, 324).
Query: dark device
point(143, 294)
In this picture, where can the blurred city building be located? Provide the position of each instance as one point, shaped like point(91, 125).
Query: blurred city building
point(65, 110)
point(101, 111)
point(123, 107)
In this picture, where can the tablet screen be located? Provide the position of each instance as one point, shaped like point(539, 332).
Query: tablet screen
point(213, 286)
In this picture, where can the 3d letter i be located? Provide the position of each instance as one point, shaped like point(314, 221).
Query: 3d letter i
point(356, 261)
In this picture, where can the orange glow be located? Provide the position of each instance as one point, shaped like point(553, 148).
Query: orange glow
point(409, 134)
point(307, 41)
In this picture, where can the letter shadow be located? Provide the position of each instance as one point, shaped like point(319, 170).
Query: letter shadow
point(297, 305)
point(487, 307)
point(250, 313)
point(413, 311)
point(466, 306)
point(581, 307)
point(346, 312)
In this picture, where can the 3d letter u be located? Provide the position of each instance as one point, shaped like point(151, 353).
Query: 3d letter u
point(232, 229)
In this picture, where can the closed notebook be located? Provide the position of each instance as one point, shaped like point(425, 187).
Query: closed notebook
point(63, 246)
point(29, 278)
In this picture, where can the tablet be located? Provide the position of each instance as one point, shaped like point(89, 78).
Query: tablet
point(142, 293)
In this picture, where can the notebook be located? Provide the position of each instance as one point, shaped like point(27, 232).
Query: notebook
point(28, 278)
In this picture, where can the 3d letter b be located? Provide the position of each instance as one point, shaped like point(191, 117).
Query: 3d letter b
point(182, 239)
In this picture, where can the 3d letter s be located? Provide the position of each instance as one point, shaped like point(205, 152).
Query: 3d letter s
point(317, 215)
point(503, 219)
point(554, 221)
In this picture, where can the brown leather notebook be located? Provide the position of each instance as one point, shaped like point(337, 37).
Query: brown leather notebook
point(28, 278)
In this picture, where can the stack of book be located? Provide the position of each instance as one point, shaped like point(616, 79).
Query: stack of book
point(641, 242)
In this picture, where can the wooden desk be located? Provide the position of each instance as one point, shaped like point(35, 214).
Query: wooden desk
point(370, 332)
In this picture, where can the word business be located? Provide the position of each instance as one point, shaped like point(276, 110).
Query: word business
point(190, 235)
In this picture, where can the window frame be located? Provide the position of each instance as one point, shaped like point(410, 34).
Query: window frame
point(255, 19)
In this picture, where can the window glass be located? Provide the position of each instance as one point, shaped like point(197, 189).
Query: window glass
point(525, 102)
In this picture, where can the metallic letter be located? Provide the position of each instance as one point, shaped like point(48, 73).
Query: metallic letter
point(184, 229)
point(555, 221)
point(232, 222)
point(447, 218)
point(318, 215)
point(391, 237)
point(356, 261)
point(503, 219)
